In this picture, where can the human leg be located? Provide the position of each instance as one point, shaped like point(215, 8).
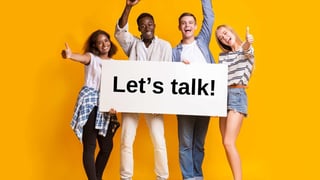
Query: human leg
point(128, 133)
point(230, 128)
point(200, 132)
point(106, 145)
point(156, 129)
point(89, 145)
point(185, 136)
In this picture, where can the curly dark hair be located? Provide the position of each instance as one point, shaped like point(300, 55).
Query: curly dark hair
point(90, 45)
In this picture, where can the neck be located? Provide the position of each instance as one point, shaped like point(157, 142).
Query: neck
point(188, 40)
point(147, 42)
point(104, 56)
point(236, 47)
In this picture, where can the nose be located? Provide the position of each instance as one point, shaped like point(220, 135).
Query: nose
point(224, 37)
point(147, 28)
point(107, 43)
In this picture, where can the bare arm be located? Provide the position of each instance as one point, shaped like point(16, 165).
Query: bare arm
point(81, 58)
point(125, 14)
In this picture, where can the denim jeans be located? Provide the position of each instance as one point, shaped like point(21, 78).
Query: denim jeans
point(156, 128)
point(192, 131)
point(237, 100)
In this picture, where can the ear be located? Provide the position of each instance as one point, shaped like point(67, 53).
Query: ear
point(195, 26)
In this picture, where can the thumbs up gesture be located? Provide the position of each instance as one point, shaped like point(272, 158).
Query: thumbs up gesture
point(249, 37)
point(249, 40)
point(66, 53)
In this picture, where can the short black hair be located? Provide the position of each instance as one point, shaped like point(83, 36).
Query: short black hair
point(142, 15)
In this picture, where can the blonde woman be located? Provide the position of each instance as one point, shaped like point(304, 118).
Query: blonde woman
point(239, 56)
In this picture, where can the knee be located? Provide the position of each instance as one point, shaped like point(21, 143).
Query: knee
point(127, 141)
point(158, 141)
point(89, 147)
point(106, 148)
point(184, 146)
point(228, 144)
point(185, 141)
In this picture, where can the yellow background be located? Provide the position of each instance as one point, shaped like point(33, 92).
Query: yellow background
point(279, 140)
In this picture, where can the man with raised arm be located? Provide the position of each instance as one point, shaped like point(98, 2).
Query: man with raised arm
point(147, 47)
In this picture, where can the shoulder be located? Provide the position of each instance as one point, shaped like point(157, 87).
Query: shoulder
point(163, 44)
point(177, 47)
point(162, 41)
point(92, 56)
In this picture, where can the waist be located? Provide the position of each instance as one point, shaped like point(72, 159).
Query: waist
point(237, 86)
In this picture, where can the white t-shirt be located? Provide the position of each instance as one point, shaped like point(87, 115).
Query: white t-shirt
point(93, 72)
point(192, 53)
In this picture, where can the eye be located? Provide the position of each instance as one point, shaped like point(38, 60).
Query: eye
point(99, 43)
point(142, 26)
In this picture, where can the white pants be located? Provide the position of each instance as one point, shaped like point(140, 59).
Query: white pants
point(156, 128)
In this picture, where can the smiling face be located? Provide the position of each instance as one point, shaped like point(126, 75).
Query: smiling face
point(103, 44)
point(187, 26)
point(146, 26)
point(226, 37)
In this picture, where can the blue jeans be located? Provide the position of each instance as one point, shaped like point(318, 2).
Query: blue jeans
point(192, 131)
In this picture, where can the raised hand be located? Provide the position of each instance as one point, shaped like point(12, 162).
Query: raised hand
point(249, 37)
point(66, 53)
point(132, 2)
point(249, 40)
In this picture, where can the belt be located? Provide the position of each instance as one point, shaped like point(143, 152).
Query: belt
point(237, 86)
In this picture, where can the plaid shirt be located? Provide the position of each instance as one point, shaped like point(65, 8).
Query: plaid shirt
point(88, 98)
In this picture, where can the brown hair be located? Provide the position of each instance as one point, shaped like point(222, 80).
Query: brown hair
point(187, 14)
point(90, 45)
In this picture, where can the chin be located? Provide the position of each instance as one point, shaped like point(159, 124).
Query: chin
point(149, 37)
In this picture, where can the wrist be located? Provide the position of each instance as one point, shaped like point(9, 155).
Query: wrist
point(246, 46)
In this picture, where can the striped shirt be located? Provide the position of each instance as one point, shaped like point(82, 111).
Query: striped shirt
point(240, 65)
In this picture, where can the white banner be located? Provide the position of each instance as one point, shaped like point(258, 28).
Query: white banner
point(164, 87)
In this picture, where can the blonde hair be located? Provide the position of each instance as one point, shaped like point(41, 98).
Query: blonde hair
point(223, 47)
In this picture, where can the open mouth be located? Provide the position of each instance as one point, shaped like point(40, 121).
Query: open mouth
point(228, 40)
point(149, 33)
point(187, 30)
